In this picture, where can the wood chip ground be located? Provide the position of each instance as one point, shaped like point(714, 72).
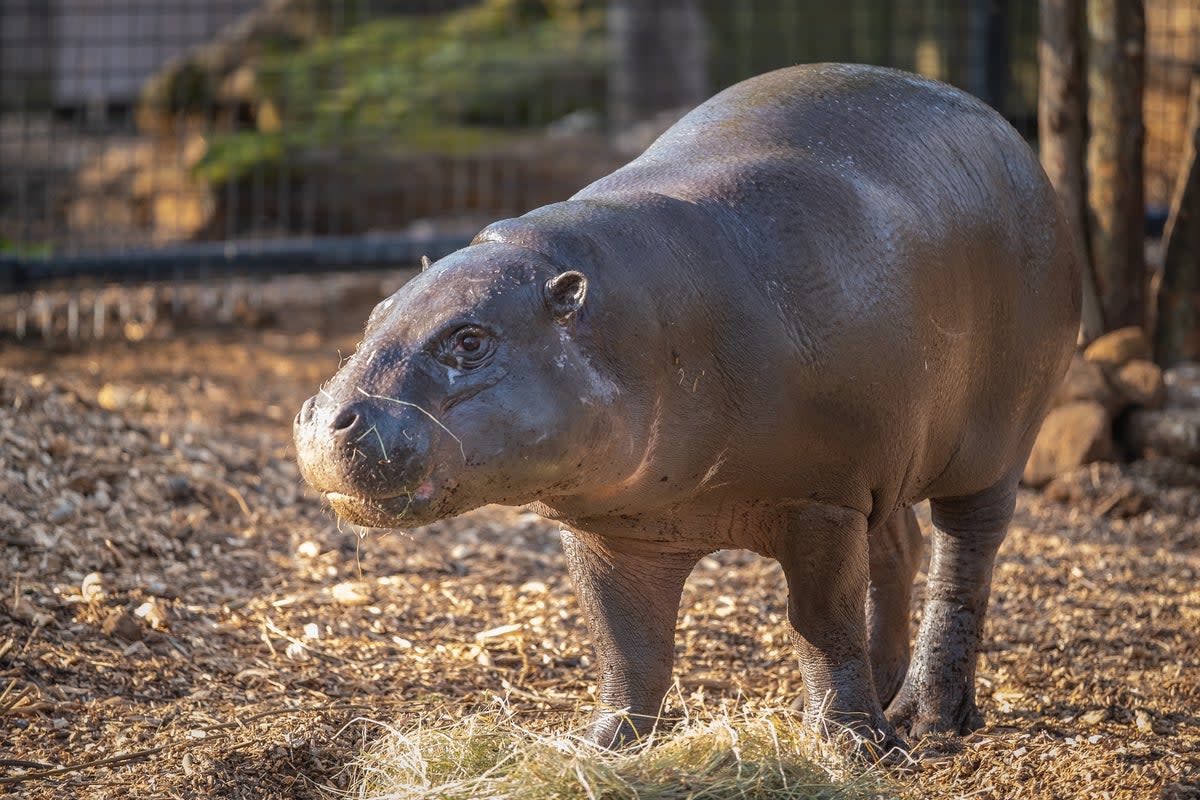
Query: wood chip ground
point(180, 613)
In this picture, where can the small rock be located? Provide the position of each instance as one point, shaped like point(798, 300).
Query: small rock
point(1085, 381)
point(101, 500)
point(308, 549)
point(350, 593)
point(153, 613)
point(1094, 717)
point(112, 397)
point(92, 588)
point(1072, 435)
point(1119, 346)
point(1140, 383)
point(61, 512)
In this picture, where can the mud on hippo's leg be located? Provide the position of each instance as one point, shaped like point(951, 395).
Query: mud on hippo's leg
point(824, 554)
point(629, 594)
point(938, 694)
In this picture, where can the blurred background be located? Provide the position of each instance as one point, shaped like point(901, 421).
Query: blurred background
point(201, 201)
point(191, 140)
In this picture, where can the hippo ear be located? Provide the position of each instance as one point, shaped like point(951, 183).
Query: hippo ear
point(564, 294)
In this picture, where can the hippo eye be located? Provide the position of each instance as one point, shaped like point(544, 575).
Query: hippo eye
point(468, 348)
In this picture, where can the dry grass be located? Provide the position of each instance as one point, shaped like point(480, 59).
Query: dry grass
point(729, 753)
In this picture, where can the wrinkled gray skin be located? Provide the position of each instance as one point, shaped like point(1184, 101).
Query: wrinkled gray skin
point(826, 294)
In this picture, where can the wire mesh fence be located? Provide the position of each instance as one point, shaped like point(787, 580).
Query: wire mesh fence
point(196, 139)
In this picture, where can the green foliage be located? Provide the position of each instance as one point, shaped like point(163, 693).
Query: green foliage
point(446, 83)
point(10, 247)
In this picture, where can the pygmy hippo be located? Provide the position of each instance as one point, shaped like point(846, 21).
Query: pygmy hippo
point(824, 295)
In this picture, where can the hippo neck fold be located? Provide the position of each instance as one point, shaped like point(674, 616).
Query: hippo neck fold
point(655, 354)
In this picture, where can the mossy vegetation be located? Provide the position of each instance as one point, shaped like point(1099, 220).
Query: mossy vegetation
point(447, 83)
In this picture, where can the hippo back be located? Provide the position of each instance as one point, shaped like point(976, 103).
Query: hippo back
point(888, 268)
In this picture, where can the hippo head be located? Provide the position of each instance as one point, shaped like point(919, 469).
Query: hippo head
point(470, 386)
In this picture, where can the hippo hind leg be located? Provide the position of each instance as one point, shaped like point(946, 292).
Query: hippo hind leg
point(895, 551)
point(938, 693)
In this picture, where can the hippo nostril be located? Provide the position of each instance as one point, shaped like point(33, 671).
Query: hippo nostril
point(345, 420)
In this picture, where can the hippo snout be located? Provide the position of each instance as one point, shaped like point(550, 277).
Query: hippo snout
point(358, 449)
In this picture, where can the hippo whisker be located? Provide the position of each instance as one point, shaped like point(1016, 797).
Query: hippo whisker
point(382, 447)
point(432, 418)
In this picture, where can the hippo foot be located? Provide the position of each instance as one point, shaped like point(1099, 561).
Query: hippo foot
point(612, 731)
point(922, 714)
point(888, 680)
point(890, 751)
point(874, 743)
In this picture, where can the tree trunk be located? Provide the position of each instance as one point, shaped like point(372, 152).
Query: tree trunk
point(1116, 213)
point(1062, 132)
point(1177, 330)
point(659, 57)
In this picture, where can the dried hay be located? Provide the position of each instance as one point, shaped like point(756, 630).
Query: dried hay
point(725, 753)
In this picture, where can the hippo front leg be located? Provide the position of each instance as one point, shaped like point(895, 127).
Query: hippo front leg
point(824, 554)
point(629, 592)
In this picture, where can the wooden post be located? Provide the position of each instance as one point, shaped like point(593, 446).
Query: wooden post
point(1177, 328)
point(659, 57)
point(1116, 213)
point(1062, 132)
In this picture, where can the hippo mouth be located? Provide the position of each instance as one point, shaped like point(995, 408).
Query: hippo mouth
point(403, 510)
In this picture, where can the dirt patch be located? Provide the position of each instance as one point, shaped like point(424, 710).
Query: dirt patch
point(172, 590)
